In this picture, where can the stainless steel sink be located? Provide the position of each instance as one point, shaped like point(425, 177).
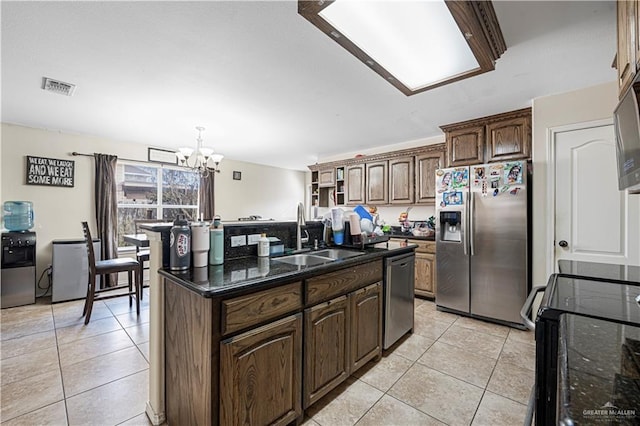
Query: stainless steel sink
point(338, 253)
point(305, 259)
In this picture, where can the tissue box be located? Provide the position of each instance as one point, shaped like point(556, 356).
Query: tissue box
point(275, 246)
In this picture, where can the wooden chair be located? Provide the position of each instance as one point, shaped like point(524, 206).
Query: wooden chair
point(105, 267)
point(142, 253)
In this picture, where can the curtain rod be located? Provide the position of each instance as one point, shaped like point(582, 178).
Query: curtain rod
point(75, 154)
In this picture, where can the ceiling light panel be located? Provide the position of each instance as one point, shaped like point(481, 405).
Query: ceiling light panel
point(418, 42)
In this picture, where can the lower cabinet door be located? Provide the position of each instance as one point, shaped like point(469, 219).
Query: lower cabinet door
point(326, 360)
point(425, 275)
point(366, 325)
point(260, 374)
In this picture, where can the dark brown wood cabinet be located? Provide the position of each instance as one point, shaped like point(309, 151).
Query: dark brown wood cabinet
point(465, 146)
point(425, 269)
point(261, 356)
point(326, 330)
point(495, 138)
point(426, 166)
point(627, 27)
point(401, 180)
point(366, 325)
point(392, 178)
point(377, 183)
point(425, 284)
point(261, 375)
point(355, 190)
point(327, 177)
point(509, 139)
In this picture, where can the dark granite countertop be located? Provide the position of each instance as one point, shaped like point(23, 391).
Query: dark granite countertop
point(156, 227)
point(600, 271)
point(252, 271)
point(599, 368)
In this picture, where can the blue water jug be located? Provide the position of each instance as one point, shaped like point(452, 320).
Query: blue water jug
point(18, 215)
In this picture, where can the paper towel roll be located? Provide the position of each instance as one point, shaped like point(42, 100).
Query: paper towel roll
point(354, 224)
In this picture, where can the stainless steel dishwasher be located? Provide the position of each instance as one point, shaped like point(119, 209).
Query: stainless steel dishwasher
point(398, 297)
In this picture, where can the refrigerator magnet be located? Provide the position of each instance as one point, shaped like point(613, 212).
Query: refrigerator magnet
point(480, 174)
point(513, 173)
point(495, 170)
point(460, 178)
point(514, 191)
point(455, 198)
point(444, 182)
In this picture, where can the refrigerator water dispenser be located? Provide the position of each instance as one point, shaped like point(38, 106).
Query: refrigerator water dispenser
point(450, 225)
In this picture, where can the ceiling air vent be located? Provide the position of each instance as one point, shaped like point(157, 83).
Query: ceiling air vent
point(59, 87)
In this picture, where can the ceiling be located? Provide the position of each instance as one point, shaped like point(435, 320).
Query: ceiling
point(268, 86)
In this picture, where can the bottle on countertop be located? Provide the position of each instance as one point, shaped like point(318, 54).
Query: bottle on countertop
point(216, 242)
point(263, 245)
point(199, 243)
point(180, 245)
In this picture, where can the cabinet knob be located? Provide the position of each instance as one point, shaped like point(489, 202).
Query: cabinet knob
point(563, 244)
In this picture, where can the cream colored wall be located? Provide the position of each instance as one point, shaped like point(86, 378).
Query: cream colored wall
point(268, 191)
point(589, 104)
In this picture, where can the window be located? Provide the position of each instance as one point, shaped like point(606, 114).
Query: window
point(153, 192)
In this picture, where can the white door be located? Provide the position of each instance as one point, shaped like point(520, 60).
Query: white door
point(594, 221)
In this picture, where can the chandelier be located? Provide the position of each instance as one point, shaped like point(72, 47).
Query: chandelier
point(198, 160)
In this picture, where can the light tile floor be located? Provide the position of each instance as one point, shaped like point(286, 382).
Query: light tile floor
point(451, 370)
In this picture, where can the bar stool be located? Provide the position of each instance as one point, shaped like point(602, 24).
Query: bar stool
point(105, 267)
point(142, 253)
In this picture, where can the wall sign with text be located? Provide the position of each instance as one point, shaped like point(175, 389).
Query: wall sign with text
point(50, 171)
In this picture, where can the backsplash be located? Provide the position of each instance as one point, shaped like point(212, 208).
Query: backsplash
point(285, 231)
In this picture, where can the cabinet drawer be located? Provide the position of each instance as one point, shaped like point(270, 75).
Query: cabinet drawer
point(244, 311)
point(343, 281)
point(423, 245)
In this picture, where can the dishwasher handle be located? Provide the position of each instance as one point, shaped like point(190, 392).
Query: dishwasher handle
point(528, 304)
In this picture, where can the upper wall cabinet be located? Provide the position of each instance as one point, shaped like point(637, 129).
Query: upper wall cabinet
point(327, 177)
point(627, 48)
point(498, 137)
point(401, 180)
point(392, 178)
point(426, 166)
point(465, 146)
point(627, 59)
point(377, 183)
point(355, 184)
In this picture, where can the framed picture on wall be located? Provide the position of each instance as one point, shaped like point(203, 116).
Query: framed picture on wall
point(165, 156)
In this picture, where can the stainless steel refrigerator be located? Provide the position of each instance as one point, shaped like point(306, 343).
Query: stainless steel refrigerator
point(482, 240)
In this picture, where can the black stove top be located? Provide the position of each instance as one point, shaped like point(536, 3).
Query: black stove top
point(591, 298)
point(600, 271)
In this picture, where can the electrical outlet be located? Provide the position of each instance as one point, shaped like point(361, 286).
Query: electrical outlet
point(238, 241)
point(253, 239)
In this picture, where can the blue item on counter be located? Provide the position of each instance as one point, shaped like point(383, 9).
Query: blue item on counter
point(18, 215)
point(363, 213)
point(338, 237)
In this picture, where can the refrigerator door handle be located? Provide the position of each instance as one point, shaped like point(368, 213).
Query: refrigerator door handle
point(471, 222)
point(465, 237)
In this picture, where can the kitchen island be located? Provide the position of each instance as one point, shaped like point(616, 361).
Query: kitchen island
point(258, 340)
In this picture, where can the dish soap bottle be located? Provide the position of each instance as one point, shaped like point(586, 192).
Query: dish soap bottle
point(216, 241)
point(263, 245)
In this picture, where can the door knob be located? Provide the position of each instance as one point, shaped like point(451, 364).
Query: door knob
point(563, 244)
